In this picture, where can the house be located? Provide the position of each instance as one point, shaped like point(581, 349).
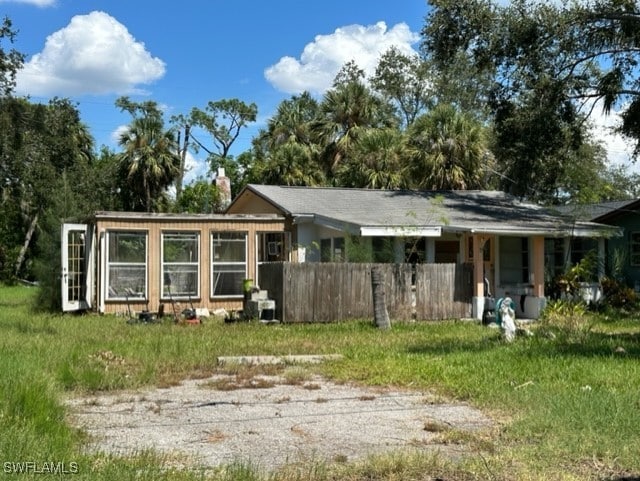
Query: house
point(124, 261)
point(513, 246)
point(622, 252)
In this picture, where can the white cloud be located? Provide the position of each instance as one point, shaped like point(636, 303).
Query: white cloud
point(94, 54)
point(619, 149)
point(321, 59)
point(195, 168)
point(117, 133)
point(37, 3)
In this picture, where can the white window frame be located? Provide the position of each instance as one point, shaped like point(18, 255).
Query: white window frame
point(215, 237)
point(130, 293)
point(519, 257)
point(176, 294)
point(336, 253)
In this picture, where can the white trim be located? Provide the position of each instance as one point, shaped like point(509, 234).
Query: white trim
point(401, 231)
point(578, 232)
point(213, 281)
point(163, 264)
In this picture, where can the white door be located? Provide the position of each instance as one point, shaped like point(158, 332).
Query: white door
point(77, 267)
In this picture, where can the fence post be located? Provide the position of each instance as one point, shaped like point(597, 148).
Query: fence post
point(380, 313)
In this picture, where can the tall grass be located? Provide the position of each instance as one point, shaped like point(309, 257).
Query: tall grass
point(566, 408)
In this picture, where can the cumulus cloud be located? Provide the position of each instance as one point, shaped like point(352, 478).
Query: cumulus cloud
point(603, 128)
point(321, 59)
point(94, 54)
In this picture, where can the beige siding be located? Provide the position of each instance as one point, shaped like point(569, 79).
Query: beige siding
point(155, 228)
point(250, 203)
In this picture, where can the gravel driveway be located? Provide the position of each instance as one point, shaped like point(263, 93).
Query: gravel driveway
point(269, 421)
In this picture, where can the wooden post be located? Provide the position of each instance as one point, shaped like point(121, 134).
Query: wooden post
point(380, 314)
point(538, 266)
point(478, 266)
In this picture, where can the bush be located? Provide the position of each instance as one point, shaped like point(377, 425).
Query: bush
point(617, 294)
point(567, 316)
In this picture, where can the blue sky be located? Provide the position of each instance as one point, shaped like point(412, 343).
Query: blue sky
point(186, 54)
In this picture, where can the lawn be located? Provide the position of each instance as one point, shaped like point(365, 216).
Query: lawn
point(567, 406)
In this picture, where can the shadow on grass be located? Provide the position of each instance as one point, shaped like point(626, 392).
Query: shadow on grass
point(591, 344)
point(28, 328)
point(457, 345)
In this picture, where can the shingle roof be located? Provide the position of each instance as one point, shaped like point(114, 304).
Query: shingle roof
point(475, 211)
point(600, 211)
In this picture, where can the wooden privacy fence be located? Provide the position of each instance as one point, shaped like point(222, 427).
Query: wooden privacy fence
point(324, 292)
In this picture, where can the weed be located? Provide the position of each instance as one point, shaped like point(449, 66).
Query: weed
point(550, 428)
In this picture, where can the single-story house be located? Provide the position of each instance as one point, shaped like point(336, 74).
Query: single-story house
point(121, 261)
point(623, 250)
point(513, 246)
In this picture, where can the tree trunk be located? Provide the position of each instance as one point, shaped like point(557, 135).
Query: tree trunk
point(183, 160)
point(380, 314)
point(25, 246)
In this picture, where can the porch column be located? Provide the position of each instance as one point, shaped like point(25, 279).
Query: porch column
point(602, 257)
point(477, 304)
point(535, 304)
point(538, 266)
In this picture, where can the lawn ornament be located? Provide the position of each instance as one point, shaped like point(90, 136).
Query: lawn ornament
point(507, 316)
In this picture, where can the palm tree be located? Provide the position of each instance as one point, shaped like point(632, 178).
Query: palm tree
point(292, 121)
point(449, 150)
point(344, 112)
point(149, 162)
point(377, 160)
point(289, 164)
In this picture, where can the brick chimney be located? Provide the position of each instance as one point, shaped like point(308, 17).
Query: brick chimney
point(223, 183)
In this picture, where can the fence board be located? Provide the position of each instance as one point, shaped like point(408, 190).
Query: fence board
point(325, 292)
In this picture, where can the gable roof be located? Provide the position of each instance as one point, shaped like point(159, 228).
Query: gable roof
point(601, 211)
point(405, 212)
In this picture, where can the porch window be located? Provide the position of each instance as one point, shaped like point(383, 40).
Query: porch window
point(554, 258)
point(180, 264)
point(580, 247)
point(383, 249)
point(332, 250)
point(514, 260)
point(271, 247)
point(126, 265)
point(634, 245)
point(447, 252)
point(229, 263)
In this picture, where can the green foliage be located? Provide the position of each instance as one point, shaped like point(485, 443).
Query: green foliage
point(12, 60)
point(223, 120)
point(575, 276)
point(566, 316)
point(449, 151)
point(201, 196)
point(406, 81)
point(149, 163)
point(39, 145)
point(535, 64)
point(617, 294)
point(358, 249)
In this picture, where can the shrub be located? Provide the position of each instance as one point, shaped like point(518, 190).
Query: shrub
point(567, 316)
point(617, 294)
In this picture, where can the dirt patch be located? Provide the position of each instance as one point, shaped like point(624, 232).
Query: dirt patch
point(272, 422)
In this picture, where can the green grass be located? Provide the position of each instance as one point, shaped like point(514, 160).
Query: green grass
point(566, 407)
